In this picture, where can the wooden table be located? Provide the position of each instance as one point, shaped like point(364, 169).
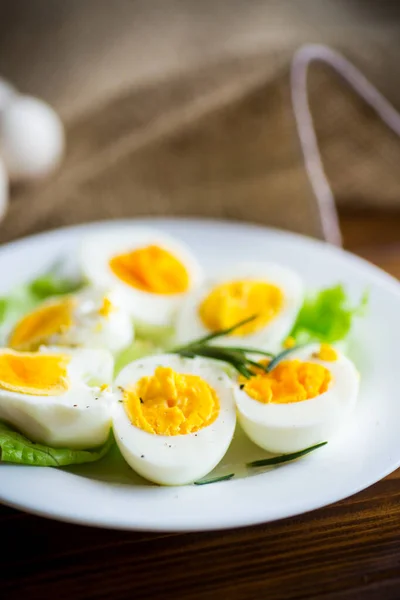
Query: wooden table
point(347, 551)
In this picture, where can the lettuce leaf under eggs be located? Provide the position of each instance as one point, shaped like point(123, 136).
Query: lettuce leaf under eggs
point(138, 349)
point(24, 298)
point(18, 449)
point(327, 316)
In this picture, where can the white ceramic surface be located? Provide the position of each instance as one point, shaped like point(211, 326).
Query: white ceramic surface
point(368, 448)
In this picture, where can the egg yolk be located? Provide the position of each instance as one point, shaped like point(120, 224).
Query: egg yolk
point(235, 301)
point(34, 374)
point(38, 326)
point(151, 269)
point(327, 353)
point(290, 342)
point(170, 403)
point(290, 381)
point(106, 308)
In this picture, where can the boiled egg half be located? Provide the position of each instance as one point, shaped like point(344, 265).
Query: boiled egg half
point(273, 294)
point(91, 318)
point(174, 418)
point(152, 271)
point(58, 398)
point(301, 402)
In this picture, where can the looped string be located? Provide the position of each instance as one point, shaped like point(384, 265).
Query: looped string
point(305, 125)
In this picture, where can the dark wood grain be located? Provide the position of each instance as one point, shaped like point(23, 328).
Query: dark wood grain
point(347, 551)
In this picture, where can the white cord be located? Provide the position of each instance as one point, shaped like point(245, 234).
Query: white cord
point(305, 126)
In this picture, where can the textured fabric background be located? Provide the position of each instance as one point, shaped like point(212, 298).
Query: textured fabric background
point(183, 108)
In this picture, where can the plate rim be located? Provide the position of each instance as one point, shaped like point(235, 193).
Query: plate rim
point(381, 278)
point(147, 221)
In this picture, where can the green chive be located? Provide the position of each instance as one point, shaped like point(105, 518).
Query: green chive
point(249, 351)
point(256, 364)
point(236, 356)
point(283, 458)
point(215, 334)
point(214, 479)
point(279, 357)
point(187, 354)
point(243, 371)
point(225, 355)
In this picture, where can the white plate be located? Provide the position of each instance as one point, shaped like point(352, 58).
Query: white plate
point(111, 495)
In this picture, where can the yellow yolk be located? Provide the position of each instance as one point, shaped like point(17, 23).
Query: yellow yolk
point(327, 353)
point(290, 381)
point(235, 301)
point(290, 342)
point(151, 269)
point(35, 328)
point(34, 374)
point(106, 308)
point(170, 403)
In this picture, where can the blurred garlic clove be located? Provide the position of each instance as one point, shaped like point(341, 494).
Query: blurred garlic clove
point(3, 190)
point(32, 138)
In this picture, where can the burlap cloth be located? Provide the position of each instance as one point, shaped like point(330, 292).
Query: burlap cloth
point(216, 141)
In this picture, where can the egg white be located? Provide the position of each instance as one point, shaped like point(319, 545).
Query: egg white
point(152, 309)
point(78, 419)
point(89, 328)
point(189, 325)
point(284, 428)
point(177, 459)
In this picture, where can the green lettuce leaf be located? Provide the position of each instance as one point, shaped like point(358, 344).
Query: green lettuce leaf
point(327, 316)
point(148, 340)
point(157, 334)
point(24, 298)
point(16, 448)
point(52, 285)
point(138, 349)
point(18, 302)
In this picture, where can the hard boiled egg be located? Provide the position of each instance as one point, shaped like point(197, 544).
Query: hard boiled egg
point(270, 292)
point(301, 402)
point(174, 419)
point(151, 271)
point(91, 318)
point(59, 398)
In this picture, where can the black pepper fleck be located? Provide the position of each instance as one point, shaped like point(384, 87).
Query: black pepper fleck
point(75, 405)
point(241, 386)
point(141, 400)
point(142, 456)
